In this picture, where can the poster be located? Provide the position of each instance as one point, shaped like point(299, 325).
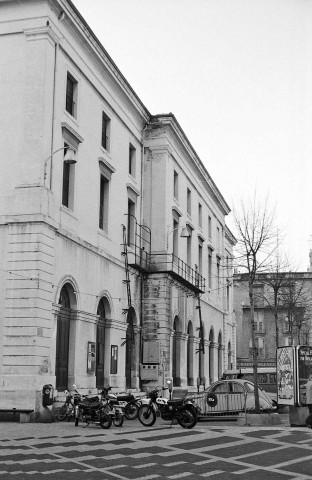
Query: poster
point(285, 373)
point(91, 357)
point(304, 370)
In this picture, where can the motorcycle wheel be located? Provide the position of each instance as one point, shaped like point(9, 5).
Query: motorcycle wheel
point(147, 415)
point(186, 418)
point(62, 413)
point(118, 419)
point(131, 411)
point(105, 420)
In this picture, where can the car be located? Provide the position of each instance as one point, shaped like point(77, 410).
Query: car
point(228, 398)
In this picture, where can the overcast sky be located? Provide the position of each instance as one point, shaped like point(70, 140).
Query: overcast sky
point(237, 75)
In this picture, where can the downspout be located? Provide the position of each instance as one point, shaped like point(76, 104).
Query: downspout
point(53, 111)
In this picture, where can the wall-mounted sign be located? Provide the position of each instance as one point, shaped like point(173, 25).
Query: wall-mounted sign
point(91, 357)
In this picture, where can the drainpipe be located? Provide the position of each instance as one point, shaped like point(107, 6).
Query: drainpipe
point(53, 110)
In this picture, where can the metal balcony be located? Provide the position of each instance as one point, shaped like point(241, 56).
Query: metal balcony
point(183, 273)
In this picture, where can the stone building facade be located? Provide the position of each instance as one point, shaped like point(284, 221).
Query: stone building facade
point(293, 313)
point(96, 285)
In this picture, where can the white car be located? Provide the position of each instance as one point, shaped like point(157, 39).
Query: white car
point(228, 398)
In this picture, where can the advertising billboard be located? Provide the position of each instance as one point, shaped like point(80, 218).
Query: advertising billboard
point(286, 376)
point(304, 370)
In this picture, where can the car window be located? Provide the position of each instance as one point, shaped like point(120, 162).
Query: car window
point(237, 388)
point(221, 388)
point(250, 388)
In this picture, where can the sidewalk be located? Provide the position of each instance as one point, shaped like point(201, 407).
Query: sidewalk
point(219, 450)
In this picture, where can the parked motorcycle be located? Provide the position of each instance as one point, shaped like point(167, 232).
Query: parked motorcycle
point(182, 410)
point(90, 410)
point(68, 408)
point(113, 407)
point(129, 402)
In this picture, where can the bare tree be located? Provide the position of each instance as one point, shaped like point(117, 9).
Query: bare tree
point(256, 242)
point(296, 301)
point(275, 280)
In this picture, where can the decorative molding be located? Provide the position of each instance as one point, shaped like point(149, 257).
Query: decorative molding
point(106, 168)
point(72, 134)
point(177, 210)
point(41, 33)
point(132, 190)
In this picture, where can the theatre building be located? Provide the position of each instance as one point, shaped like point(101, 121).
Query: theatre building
point(115, 259)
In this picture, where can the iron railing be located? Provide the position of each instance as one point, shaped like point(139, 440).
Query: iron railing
point(170, 263)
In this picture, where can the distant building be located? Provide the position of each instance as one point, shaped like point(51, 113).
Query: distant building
point(97, 286)
point(294, 313)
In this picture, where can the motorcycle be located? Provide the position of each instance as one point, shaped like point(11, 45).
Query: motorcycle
point(130, 403)
point(113, 407)
point(68, 408)
point(90, 410)
point(182, 410)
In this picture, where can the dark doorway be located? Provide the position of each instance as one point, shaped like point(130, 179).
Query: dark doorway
point(100, 342)
point(62, 341)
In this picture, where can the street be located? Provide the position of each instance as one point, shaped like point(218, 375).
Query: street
point(218, 450)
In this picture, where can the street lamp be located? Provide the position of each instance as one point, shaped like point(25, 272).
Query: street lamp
point(69, 159)
point(184, 233)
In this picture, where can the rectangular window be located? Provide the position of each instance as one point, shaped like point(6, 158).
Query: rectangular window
point(131, 223)
point(68, 183)
point(175, 238)
point(175, 185)
point(218, 274)
point(200, 258)
point(200, 215)
point(259, 321)
point(104, 196)
point(132, 160)
point(218, 238)
point(189, 201)
point(209, 267)
point(209, 227)
point(105, 132)
point(71, 95)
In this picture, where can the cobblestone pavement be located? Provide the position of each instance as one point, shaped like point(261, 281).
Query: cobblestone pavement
point(217, 450)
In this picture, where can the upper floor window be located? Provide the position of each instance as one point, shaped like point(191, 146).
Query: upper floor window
point(209, 267)
point(200, 258)
point(68, 183)
point(175, 185)
point(71, 95)
point(104, 196)
point(218, 273)
point(259, 321)
point(132, 160)
point(209, 227)
point(200, 215)
point(189, 201)
point(106, 122)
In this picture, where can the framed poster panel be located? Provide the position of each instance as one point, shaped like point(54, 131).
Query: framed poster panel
point(304, 371)
point(91, 357)
point(286, 375)
point(114, 359)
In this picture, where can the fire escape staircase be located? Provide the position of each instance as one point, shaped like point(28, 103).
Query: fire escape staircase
point(127, 281)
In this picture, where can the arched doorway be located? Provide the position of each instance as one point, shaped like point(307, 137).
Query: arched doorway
point(176, 352)
point(211, 357)
point(190, 354)
point(131, 357)
point(201, 357)
point(220, 368)
point(102, 311)
point(62, 338)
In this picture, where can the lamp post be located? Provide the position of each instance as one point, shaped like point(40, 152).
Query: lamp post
point(184, 233)
point(69, 159)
